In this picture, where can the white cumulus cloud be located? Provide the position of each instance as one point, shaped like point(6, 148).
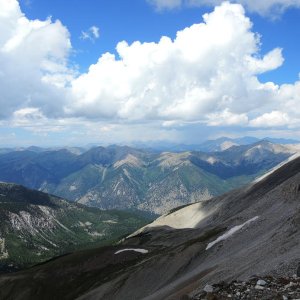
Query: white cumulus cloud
point(272, 119)
point(265, 7)
point(33, 61)
point(206, 76)
point(208, 71)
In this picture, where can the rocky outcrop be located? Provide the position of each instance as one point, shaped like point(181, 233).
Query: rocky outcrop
point(260, 288)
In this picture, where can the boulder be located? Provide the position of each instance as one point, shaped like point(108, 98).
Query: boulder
point(208, 288)
point(261, 282)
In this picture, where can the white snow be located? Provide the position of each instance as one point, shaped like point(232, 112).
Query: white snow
point(143, 251)
point(229, 233)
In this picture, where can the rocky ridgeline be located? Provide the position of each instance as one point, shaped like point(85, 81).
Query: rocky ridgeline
point(266, 288)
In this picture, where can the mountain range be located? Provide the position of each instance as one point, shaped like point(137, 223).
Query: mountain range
point(35, 226)
point(120, 177)
point(251, 231)
point(219, 144)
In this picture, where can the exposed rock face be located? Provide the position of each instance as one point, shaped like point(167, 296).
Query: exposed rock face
point(252, 231)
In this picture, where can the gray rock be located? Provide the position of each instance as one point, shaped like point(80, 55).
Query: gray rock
point(289, 285)
point(208, 288)
point(261, 282)
point(259, 287)
point(298, 270)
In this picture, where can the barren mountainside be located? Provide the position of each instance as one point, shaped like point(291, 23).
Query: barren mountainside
point(251, 231)
point(126, 178)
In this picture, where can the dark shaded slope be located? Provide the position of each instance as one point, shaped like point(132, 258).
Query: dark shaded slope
point(35, 226)
point(12, 194)
point(33, 169)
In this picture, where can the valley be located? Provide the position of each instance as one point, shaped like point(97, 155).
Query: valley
point(120, 177)
point(35, 227)
point(250, 231)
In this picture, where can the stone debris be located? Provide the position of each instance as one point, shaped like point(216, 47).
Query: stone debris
point(298, 270)
point(208, 288)
point(259, 287)
point(261, 282)
point(267, 288)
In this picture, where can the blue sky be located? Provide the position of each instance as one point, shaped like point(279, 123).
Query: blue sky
point(137, 20)
point(51, 96)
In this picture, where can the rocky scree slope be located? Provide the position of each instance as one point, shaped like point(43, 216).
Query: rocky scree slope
point(257, 288)
point(127, 178)
point(251, 231)
point(35, 226)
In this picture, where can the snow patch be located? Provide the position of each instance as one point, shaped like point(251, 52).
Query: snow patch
point(229, 233)
point(143, 251)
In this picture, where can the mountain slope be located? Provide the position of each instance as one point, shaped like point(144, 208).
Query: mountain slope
point(167, 180)
point(35, 226)
point(127, 178)
point(245, 232)
point(224, 143)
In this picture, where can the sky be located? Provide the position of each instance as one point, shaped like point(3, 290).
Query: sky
point(124, 71)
